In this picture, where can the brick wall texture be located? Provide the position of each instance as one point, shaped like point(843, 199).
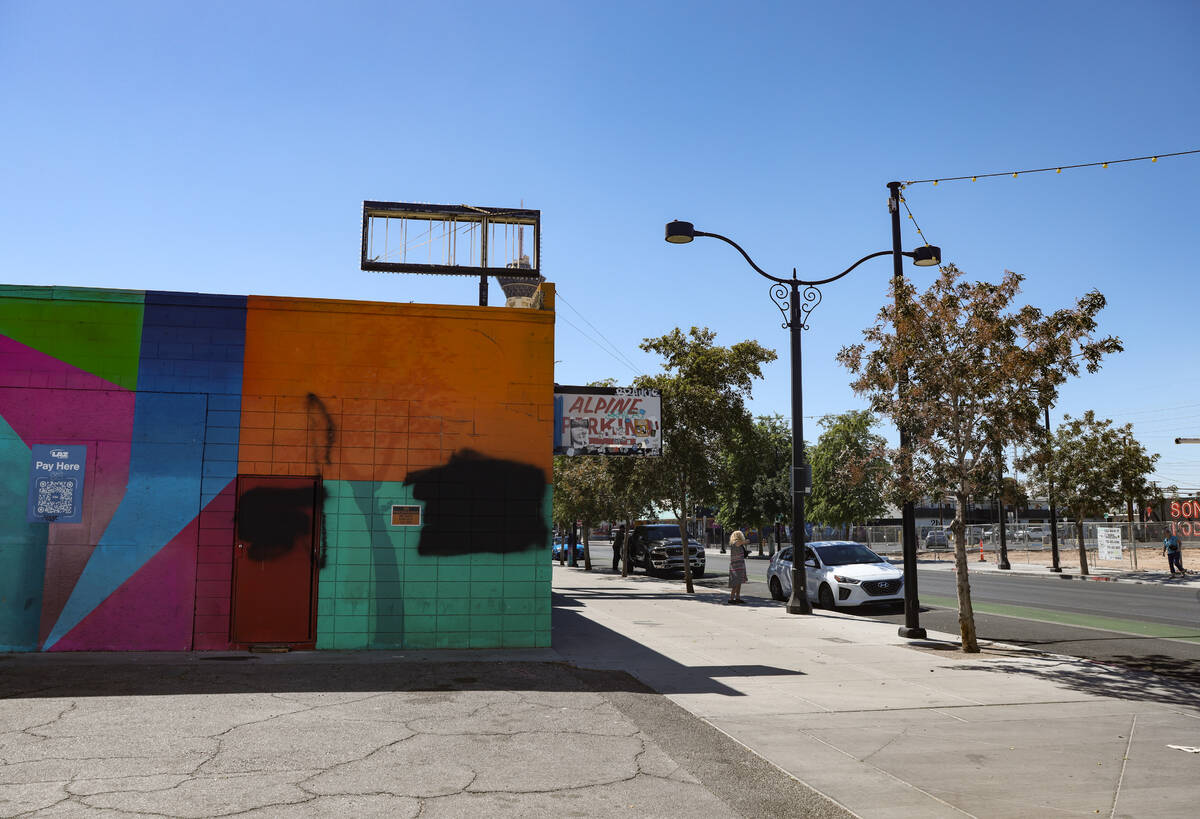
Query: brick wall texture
point(186, 402)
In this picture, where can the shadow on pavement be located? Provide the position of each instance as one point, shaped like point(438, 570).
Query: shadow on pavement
point(1163, 679)
point(119, 675)
point(599, 656)
point(590, 645)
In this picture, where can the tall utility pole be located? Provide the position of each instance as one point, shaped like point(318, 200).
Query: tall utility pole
point(912, 604)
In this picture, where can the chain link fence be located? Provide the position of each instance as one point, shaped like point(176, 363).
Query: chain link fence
point(1029, 537)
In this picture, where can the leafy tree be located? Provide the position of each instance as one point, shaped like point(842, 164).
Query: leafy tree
point(851, 470)
point(754, 486)
point(974, 364)
point(1136, 467)
point(773, 485)
point(703, 388)
point(1088, 464)
point(630, 481)
point(582, 491)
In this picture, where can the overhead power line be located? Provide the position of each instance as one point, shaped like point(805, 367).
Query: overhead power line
point(612, 350)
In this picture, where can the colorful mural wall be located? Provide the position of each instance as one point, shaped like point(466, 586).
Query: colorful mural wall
point(267, 470)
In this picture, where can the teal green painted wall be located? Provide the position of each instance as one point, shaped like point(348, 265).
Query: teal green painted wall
point(22, 549)
point(99, 331)
point(375, 590)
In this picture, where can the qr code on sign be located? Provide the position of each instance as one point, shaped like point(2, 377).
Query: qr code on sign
point(56, 497)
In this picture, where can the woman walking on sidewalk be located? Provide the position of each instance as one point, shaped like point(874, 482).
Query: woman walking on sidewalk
point(737, 565)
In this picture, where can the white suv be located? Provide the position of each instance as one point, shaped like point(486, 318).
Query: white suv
point(839, 573)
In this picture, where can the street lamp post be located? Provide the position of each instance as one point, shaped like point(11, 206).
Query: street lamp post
point(1054, 562)
point(908, 519)
point(796, 299)
point(1055, 567)
point(1002, 562)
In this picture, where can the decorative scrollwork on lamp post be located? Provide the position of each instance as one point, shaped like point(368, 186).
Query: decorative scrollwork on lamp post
point(779, 294)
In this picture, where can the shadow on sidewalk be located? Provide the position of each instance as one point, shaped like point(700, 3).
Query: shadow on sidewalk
point(300, 672)
point(591, 645)
point(1157, 677)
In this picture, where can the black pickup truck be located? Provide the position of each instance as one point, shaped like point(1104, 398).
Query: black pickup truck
point(655, 547)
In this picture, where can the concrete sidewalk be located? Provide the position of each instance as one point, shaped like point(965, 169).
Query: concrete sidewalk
point(888, 727)
point(388, 734)
point(758, 714)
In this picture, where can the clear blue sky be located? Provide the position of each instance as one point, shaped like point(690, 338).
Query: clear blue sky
point(227, 147)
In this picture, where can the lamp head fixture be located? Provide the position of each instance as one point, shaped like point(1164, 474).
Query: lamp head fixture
point(680, 233)
point(927, 256)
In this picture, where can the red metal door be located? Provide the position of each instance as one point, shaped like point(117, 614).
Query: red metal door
point(273, 560)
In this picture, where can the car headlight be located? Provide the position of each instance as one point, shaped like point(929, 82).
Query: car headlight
point(843, 579)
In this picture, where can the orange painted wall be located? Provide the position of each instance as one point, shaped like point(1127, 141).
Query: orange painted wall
point(393, 387)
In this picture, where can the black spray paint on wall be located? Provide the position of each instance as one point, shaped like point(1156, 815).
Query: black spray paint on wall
point(270, 521)
point(321, 436)
point(478, 504)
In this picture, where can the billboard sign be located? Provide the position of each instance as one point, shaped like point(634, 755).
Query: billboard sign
point(56, 483)
point(607, 421)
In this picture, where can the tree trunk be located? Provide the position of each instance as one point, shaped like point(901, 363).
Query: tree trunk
point(1083, 567)
point(587, 552)
point(681, 519)
point(625, 548)
point(562, 555)
point(966, 613)
point(687, 558)
point(762, 535)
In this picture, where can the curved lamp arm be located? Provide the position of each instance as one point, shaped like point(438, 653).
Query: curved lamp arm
point(767, 275)
point(856, 264)
point(746, 255)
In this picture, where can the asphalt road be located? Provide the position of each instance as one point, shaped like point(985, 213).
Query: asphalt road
point(1143, 626)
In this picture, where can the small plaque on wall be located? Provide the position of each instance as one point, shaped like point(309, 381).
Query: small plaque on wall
point(406, 515)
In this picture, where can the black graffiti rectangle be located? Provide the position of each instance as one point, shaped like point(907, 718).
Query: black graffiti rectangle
point(474, 503)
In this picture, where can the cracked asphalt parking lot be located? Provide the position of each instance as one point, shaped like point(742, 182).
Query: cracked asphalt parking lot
point(272, 736)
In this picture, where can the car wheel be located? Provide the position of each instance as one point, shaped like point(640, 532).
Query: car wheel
point(777, 589)
point(825, 597)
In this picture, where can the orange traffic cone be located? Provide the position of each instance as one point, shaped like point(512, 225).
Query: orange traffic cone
point(981, 560)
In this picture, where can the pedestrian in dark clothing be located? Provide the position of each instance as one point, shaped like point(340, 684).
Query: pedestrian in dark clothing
point(1174, 553)
point(618, 543)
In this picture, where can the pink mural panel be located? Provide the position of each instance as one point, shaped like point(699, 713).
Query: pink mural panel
point(151, 611)
point(72, 407)
point(214, 566)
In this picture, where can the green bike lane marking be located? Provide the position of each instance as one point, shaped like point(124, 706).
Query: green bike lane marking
point(1067, 618)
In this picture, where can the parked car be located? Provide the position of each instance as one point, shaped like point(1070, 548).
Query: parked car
point(937, 539)
point(655, 547)
point(1035, 534)
point(561, 550)
point(839, 573)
